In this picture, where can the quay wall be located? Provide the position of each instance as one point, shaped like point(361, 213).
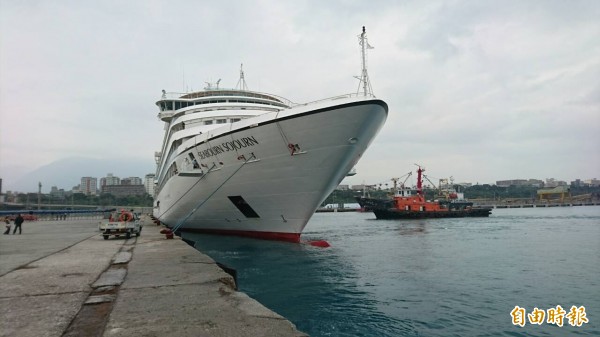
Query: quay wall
point(61, 278)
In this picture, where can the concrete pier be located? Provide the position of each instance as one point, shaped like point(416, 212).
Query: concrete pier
point(61, 278)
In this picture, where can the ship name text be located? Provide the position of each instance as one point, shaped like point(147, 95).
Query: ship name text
point(233, 145)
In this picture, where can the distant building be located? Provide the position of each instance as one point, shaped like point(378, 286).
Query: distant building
point(577, 183)
point(109, 180)
point(464, 185)
point(131, 181)
point(89, 186)
point(520, 182)
point(551, 182)
point(512, 182)
point(57, 193)
point(10, 196)
point(342, 187)
point(149, 183)
point(362, 187)
point(535, 183)
point(125, 190)
point(591, 182)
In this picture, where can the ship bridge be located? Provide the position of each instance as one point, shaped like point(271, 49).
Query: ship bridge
point(221, 98)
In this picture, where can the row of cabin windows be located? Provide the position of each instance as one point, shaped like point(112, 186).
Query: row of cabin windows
point(221, 121)
point(181, 126)
point(170, 173)
point(176, 105)
point(174, 146)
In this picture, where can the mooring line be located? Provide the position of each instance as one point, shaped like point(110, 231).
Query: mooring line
point(215, 191)
point(186, 192)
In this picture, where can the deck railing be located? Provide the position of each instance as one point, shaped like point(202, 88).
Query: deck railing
point(260, 95)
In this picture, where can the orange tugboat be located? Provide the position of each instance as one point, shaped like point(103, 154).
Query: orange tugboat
point(406, 205)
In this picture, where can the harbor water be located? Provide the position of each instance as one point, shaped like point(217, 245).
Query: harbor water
point(437, 277)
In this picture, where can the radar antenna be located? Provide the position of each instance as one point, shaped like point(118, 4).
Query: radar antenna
point(241, 84)
point(364, 77)
point(212, 86)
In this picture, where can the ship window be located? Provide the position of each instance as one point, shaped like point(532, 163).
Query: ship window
point(177, 105)
point(208, 122)
point(165, 106)
point(221, 121)
point(233, 120)
point(243, 206)
point(194, 161)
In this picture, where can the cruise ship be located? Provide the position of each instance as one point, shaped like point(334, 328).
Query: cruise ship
point(240, 162)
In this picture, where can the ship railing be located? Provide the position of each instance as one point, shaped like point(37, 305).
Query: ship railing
point(229, 93)
point(352, 95)
point(177, 95)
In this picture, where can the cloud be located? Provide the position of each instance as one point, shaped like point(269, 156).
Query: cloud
point(479, 90)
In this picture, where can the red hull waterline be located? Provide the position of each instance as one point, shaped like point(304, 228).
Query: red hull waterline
point(288, 237)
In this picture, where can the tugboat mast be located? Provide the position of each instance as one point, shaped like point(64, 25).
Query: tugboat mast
point(420, 180)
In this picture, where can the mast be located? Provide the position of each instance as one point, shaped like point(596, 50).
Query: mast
point(241, 84)
point(364, 77)
point(420, 181)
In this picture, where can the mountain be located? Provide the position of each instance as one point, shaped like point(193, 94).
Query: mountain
point(66, 173)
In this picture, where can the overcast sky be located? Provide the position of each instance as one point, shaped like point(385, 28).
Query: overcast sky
point(478, 90)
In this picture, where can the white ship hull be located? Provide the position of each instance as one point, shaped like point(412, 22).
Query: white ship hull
point(266, 176)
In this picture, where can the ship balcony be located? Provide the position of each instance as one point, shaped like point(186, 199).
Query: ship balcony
point(166, 116)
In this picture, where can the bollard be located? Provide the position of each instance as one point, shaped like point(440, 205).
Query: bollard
point(167, 232)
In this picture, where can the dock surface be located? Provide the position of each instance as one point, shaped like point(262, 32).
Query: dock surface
point(61, 278)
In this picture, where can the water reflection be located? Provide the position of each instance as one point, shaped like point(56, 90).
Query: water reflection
point(411, 228)
point(315, 288)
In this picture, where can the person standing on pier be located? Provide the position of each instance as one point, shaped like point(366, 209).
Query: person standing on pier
point(7, 221)
point(18, 221)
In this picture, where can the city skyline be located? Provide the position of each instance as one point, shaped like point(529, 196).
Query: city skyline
point(86, 182)
point(547, 182)
point(67, 173)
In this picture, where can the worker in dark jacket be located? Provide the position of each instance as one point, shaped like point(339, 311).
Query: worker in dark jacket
point(18, 221)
